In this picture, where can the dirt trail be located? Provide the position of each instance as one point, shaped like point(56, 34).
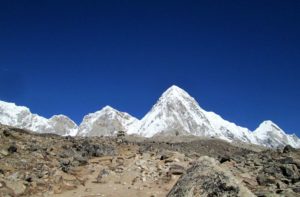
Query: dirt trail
point(134, 175)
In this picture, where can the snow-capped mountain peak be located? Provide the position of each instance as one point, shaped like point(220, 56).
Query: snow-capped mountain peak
point(174, 91)
point(108, 108)
point(178, 112)
point(63, 125)
point(106, 121)
point(175, 112)
point(270, 134)
point(268, 126)
point(21, 117)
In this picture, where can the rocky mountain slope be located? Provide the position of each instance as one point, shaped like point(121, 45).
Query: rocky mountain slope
point(175, 113)
point(40, 165)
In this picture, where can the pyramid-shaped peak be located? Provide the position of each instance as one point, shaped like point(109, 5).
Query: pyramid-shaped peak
point(268, 124)
point(108, 108)
point(175, 91)
point(174, 88)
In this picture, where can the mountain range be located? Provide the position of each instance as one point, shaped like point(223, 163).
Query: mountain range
point(175, 113)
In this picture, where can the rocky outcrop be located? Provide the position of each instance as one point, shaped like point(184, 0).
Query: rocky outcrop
point(206, 178)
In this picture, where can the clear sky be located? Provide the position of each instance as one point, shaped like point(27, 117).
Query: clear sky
point(240, 59)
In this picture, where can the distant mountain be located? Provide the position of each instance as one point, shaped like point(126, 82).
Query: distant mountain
point(21, 117)
point(105, 122)
point(175, 113)
point(271, 135)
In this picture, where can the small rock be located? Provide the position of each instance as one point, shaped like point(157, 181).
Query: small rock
point(263, 179)
point(12, 149)
point(164, 157)
point(119, 169)
point(81, 160)
point(103, 173)
point(286, 160)
point(280, 185)
point(297, 189)
point(17, 186)
point(6, 133)
point(290, 171)
point(288, 148)
point(176, 169)
point(224, 158)
point(4, 152)
point(65, 165)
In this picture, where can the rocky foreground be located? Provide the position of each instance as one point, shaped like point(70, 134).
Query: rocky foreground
point(50, 165)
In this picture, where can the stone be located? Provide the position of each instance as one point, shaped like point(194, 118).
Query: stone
point(17, 186)
point(272, 169)
point(206, 178)
point(65, 165)
point(288, 149)
point(12, 149)
point(121, 134)
point(103, 173)
point(6, 191)
point(290, 171)
point(224, 158)
point(176, 169)
point(6, 133)
point(81, 160)
point(263, 179)
point(4, 152)
point(296, 189)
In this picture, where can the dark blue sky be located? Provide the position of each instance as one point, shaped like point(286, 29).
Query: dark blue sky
point(240, 59)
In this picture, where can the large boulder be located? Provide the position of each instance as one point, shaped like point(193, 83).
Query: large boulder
point(207, 178)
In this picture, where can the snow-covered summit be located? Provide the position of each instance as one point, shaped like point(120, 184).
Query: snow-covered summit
point(21, 117)
point(266, 127)
point(175, 112)
point(105, 122)
point(178, 112)
point(63, 125)
point(270, 134)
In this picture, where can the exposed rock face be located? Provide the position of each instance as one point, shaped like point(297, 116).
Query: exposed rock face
point(106, 122)
point(205, 178)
